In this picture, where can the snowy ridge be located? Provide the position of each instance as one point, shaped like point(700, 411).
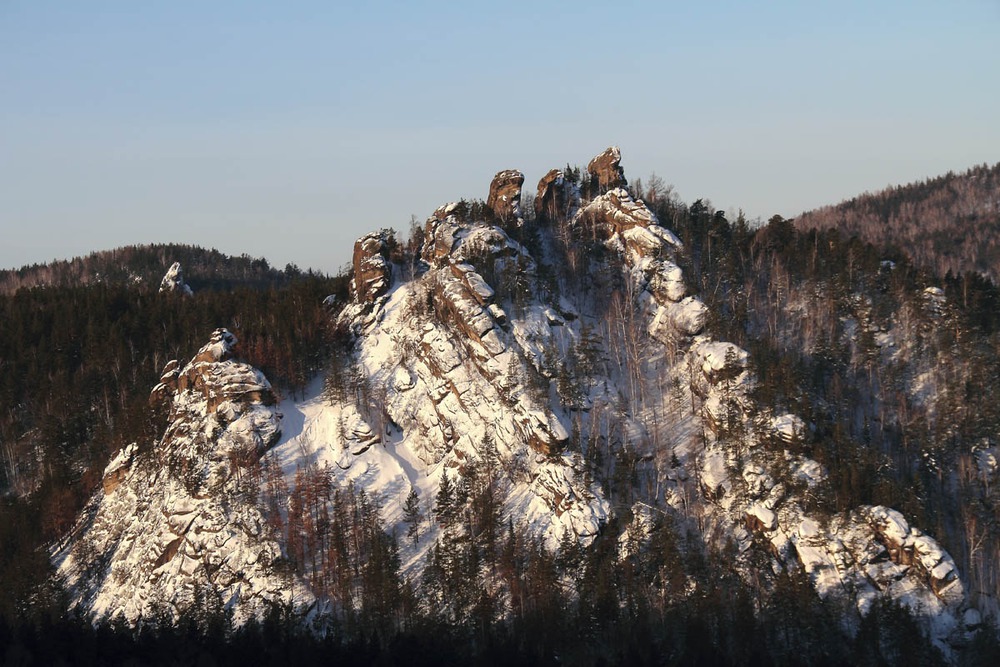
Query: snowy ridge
point(177, 529)
point(450, 380)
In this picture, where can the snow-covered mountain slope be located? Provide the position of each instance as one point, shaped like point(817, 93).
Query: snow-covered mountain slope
point(176, 528)
point(562, 359)
point(459, 356)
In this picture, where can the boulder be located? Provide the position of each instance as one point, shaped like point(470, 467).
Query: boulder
point(666, 282)
point(606, 171)
point(505, 194)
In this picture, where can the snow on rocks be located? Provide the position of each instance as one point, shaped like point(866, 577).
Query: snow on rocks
point(788, 428)
point(762, 518)
point(372, 273)
point(687, 317)
point(666, 281)
point(557, 198)
point(449, 370)
point(173, 281)
point(175, 528)
point(718, 360)
point(505, 195)
point(873, 552)
point(566, 501)
point(807, 471)
point(614, 213)
point(910, 546)
point(118, 468)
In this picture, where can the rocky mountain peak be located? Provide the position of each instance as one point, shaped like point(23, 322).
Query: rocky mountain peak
point(564, 367)
point(505, 195)
point(606, 171)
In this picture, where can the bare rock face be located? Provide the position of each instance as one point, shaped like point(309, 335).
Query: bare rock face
point(630, 229)
point(557, 198)
point(505, 194)
point(372, 271)
point(173, 281)
point(449, 242)
point(606, 171)
point(909, 546)
point(244, 384)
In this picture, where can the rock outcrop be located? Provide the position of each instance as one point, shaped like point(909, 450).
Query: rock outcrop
point(372, 271)
point(606, 171)
point(493, 362)
point(173, 281)
point(616, 213)
point(557, 198)
point(454, 371)
point(505, 195)
point(177, 528)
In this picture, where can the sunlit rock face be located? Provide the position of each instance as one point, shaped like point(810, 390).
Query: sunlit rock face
point(372, 273)
point(505, 195)
point(557, 198)
point(606, 171)
point(176, 528)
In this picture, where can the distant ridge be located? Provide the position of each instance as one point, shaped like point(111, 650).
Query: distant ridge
point(949, 223)
point(145, 265)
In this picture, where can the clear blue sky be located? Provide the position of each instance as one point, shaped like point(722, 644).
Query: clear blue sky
point(288, 129)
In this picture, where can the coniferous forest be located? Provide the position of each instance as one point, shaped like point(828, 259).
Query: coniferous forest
point(79, 355)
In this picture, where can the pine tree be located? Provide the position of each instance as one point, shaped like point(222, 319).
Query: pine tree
point(411, 515)
point(444, 502)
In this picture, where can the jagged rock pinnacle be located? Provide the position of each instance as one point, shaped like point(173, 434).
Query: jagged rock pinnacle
point(505, 194)
point(606, 171)
point(372, 272)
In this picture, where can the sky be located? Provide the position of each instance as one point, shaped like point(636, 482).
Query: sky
point(287, 130)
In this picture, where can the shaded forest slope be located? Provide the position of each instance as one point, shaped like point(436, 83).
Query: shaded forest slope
point(144, 265)
point(946, 224)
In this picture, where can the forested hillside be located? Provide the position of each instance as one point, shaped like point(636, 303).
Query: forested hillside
point(895, 368)
point(144, 265)
point(948, 224)
point(77, 363)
